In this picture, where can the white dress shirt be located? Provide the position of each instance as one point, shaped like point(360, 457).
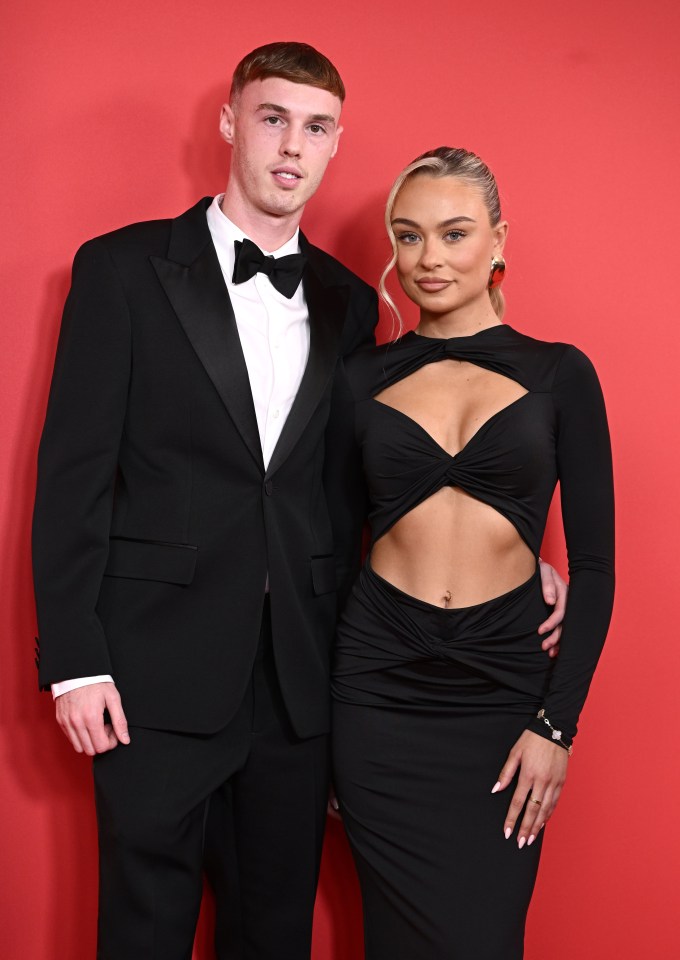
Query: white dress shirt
point(274, 335)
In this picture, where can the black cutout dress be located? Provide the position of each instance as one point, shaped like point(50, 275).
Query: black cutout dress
point(428, 701)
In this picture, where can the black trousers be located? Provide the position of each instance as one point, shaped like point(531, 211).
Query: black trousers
point(153, 800)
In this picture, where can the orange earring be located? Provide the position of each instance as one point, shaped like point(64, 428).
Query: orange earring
point(497, 272)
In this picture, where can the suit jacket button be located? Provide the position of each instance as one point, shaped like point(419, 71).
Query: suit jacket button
point(269, 488)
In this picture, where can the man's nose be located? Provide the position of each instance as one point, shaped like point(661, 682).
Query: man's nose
point(291, 142)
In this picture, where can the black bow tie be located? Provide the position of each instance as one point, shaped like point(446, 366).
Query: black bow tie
point(285, 273)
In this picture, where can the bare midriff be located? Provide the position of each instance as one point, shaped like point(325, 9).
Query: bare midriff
point(452, 550)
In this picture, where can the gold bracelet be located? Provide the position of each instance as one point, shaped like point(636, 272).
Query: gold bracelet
point(556, 734)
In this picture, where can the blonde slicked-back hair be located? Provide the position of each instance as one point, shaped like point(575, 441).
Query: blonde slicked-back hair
point(444, 162)
point(290, 60)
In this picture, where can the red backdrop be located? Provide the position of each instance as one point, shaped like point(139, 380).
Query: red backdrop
point(110, 115)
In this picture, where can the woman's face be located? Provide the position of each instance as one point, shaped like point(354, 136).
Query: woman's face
point(445, 244)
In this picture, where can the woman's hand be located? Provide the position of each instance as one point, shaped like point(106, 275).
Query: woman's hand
point(542, 772)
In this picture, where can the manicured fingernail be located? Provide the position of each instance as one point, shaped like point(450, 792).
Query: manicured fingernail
point(508, 831)
point(522, 841)
point(530, 840)
point(496, 786)
point(335, 804)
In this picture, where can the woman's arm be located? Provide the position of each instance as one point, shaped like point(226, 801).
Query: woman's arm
point(586, 487)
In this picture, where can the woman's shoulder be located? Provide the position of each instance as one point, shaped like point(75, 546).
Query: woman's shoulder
point(552, 360)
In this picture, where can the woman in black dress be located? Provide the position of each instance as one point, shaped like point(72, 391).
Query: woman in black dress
point(452, 727)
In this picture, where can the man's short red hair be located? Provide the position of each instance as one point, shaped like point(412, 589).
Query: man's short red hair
point(297, 62)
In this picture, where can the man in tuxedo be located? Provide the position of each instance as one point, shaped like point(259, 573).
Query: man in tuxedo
point(197, 516)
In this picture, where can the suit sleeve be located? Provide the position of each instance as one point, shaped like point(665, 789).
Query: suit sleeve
point(587, 494)
point(77, 465)
point(344, 481)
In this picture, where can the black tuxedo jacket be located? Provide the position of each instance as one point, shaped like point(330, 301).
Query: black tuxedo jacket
point(155, 522)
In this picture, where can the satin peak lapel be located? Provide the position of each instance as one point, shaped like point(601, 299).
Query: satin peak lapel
point(327, 306)
point(200, 299)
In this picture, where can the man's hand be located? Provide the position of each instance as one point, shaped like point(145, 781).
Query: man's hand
point(333, 809)
point(554, 593)
point(80, 714)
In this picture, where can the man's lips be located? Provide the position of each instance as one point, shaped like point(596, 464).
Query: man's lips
point(287, 176)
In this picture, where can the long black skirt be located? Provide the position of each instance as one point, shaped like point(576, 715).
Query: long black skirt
point(427, 704)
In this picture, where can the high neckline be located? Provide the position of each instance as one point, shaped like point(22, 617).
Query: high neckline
point(485, 331)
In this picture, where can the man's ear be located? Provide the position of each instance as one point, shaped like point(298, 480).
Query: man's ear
point(227, 123)
point(337, 140)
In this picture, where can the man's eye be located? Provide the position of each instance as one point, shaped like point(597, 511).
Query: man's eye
point(316, 128)
point(273, 121)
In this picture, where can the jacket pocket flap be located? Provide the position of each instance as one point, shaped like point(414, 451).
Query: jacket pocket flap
point(151, 560)
point(324, 576)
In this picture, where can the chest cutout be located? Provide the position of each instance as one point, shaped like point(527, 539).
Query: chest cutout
point(451, 400)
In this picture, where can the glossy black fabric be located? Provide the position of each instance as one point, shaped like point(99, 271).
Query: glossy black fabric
point(556, 431)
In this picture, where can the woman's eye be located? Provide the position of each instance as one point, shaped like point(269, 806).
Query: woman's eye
point(454, 235)
point(407, 237)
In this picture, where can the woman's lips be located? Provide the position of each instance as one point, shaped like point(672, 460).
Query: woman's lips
point(433, 284)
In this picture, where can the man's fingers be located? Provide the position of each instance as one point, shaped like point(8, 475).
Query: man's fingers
point(562, 589)
point(551, 623)
point(92, 731)
point(71, 735)
point(118, 721)
point(551, 641)
point(83, 736)
point(555, 591)
point(80, 714)
point(547, 582)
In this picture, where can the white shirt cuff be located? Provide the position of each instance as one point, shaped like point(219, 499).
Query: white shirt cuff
point(65, 686)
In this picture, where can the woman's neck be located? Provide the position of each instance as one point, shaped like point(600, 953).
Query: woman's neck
point(458, 323)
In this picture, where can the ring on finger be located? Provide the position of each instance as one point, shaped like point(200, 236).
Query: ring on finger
point(533, 800)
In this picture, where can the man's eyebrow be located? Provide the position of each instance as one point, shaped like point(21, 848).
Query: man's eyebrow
point(444, 223)
point(285, 112)
point(273, 108)
point(322, 118)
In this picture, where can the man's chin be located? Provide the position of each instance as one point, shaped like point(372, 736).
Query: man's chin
point(284, 206)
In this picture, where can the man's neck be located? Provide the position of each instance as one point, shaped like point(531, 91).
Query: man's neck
point(267, 231)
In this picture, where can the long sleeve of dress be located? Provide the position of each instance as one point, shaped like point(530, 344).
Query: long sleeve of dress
point(585, 472)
